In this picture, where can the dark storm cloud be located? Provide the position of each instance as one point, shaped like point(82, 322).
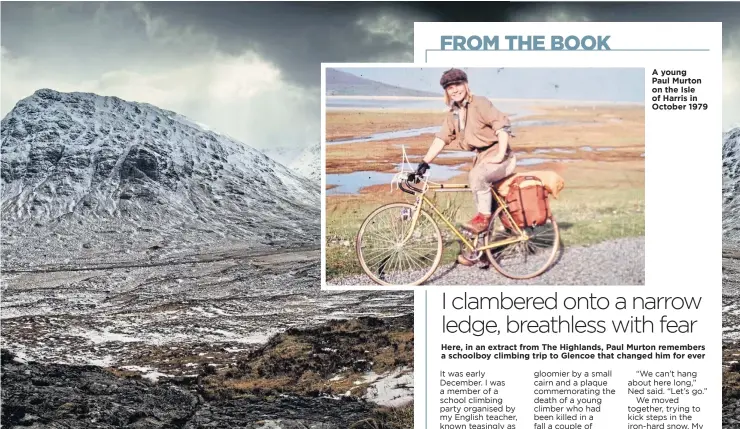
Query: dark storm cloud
point(239, 67)
point(212, 60)
point(726, 12)
point(298, 37)
point(130, 51)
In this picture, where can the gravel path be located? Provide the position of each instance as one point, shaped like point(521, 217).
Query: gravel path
point(616, 262)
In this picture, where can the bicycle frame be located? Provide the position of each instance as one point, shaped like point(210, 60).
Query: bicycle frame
point(421, 199)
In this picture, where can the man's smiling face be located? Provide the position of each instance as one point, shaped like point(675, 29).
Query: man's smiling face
point(457, 92)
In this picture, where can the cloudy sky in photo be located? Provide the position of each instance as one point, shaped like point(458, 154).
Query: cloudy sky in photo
point(252, 70)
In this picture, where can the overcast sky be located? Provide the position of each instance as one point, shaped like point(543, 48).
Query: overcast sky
point(252, 70)
point(596, 84)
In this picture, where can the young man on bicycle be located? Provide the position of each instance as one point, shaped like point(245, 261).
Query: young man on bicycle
point(474, 124)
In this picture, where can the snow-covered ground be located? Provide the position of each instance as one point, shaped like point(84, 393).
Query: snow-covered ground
point(305, 161)
point(393, 389)
point(309, 163)
point(154, 317)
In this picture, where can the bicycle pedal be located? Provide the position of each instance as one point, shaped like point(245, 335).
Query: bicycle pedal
point(469, 233)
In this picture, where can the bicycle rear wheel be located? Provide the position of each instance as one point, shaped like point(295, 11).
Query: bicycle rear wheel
point(389, 260)
point(525, 259)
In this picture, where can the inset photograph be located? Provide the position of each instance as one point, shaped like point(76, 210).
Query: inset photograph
point(483, 176)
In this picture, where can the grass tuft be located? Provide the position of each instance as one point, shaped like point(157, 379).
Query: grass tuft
point(388, 418)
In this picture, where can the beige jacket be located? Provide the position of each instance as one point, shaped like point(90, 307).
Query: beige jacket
point(481, 121)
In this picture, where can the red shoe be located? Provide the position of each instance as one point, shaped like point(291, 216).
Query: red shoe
point(479, 223)
point(462, 261)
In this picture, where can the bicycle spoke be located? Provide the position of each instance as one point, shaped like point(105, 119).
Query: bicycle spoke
point(388, 227)
point(525, 258)
point(419, 254)
point(397, 262)
point(396, 250)
point(507, 251)
point(373, 236)
point(381, 267)
point(371, 261)
point(381, 259)
point(378, 235)
point(415, 264)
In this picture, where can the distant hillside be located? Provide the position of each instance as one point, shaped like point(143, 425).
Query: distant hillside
point(342, 83)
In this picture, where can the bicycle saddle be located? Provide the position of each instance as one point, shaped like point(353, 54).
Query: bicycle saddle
point(500, 182)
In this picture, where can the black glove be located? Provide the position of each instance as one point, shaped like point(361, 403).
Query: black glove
point(421, 168)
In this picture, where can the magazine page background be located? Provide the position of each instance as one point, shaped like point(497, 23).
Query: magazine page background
point(670, 269)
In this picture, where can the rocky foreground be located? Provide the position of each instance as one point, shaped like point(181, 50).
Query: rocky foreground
point(730, 385)
point(342, 374)
point(731, 339)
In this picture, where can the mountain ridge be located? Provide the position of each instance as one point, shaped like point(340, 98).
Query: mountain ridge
point(342, 83)
point(308, 163)
point(731, 188)
point(80, 165)
point(304, 161)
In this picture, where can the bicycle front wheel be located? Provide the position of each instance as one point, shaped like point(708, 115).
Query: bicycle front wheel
point(525, 259)
point(391, 253)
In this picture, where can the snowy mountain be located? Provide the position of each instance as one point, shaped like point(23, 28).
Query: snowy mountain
point(79, 164)
point(731, 188)
point(284, 155)
point(308, 163)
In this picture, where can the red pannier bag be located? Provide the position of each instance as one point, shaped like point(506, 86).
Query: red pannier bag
point(527, 201)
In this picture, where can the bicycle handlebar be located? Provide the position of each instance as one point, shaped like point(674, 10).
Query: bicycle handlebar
point(415, 179)
point(401, 187)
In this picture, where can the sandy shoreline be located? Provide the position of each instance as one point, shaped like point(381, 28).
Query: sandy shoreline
point(601, 122)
